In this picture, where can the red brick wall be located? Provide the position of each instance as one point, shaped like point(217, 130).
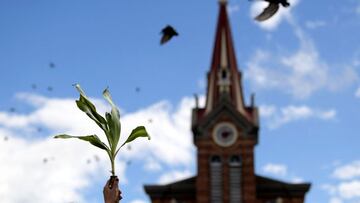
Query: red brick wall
point(243, 147)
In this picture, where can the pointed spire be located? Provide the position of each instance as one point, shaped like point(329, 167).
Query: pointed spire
point(224, 77)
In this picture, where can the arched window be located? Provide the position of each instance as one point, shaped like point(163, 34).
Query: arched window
point(235, 179)
point(216, 179)
point(224, 74)
point(215, 159)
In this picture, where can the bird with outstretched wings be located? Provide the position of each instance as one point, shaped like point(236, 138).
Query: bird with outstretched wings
point(271, 9)
point(167, 33)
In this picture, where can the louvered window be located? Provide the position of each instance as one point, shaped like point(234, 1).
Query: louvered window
point(216, 179)
point(235, 179)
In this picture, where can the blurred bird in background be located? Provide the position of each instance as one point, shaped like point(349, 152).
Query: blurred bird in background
point(271, 9)
point(137, 89)
point(51, 65)
point(33, 86)
point(167, 33)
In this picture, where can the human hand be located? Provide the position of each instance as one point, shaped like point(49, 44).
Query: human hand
point(111, 191)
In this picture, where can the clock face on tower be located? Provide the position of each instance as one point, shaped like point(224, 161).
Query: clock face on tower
point(225, 134)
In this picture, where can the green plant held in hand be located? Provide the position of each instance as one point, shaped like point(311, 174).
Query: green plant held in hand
point(110, 125)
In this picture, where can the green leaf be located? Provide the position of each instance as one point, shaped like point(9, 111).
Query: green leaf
point(113, 121)
point(93, 139)
point(85, 105)
point(139, 131)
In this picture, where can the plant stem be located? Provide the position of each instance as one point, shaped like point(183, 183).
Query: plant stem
point(113, 166)
point(112, 160)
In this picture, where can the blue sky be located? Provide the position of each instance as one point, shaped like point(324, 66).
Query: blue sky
point(303, 66)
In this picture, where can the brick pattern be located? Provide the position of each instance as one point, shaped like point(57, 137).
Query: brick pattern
point(243, 147)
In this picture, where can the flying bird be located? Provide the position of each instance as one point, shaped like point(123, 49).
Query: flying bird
point(12, 109)
point(97, 159)
point(167, 33)
point(52, 65)
point(47, 159)
point(137, 89)
point(33, 86)
point(271, 9)
point(50, 89)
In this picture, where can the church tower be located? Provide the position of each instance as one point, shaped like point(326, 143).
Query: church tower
point(225, 131)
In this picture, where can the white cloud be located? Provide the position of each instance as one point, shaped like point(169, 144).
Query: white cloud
point(170, 132)
point(233, 9)
point(267, 110)
point(297, 180)
point(344, 79)
point(70, 166)
point(201, 84)
point(59, 169)
point(152, 165)
point(335, 200)
point(276, 117)
point(258, 73)
point(349, 190)
point(331, 189)
point(275, 169)
point(348, 171)
point(138, 201)
point(315, 24)
point(357, 10)
point(357, 93)
point(272, 23)
point(356, 62)
point(295, 112)
point(282, 171)
point(174, 176)
point(299, 74)
point(327, 115)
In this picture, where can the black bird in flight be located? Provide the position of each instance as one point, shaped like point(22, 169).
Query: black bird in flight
point(97, 159)
point(137, 89)
point(129, 147)
point(52, 65)
point(167, 33)
point(271, 9)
